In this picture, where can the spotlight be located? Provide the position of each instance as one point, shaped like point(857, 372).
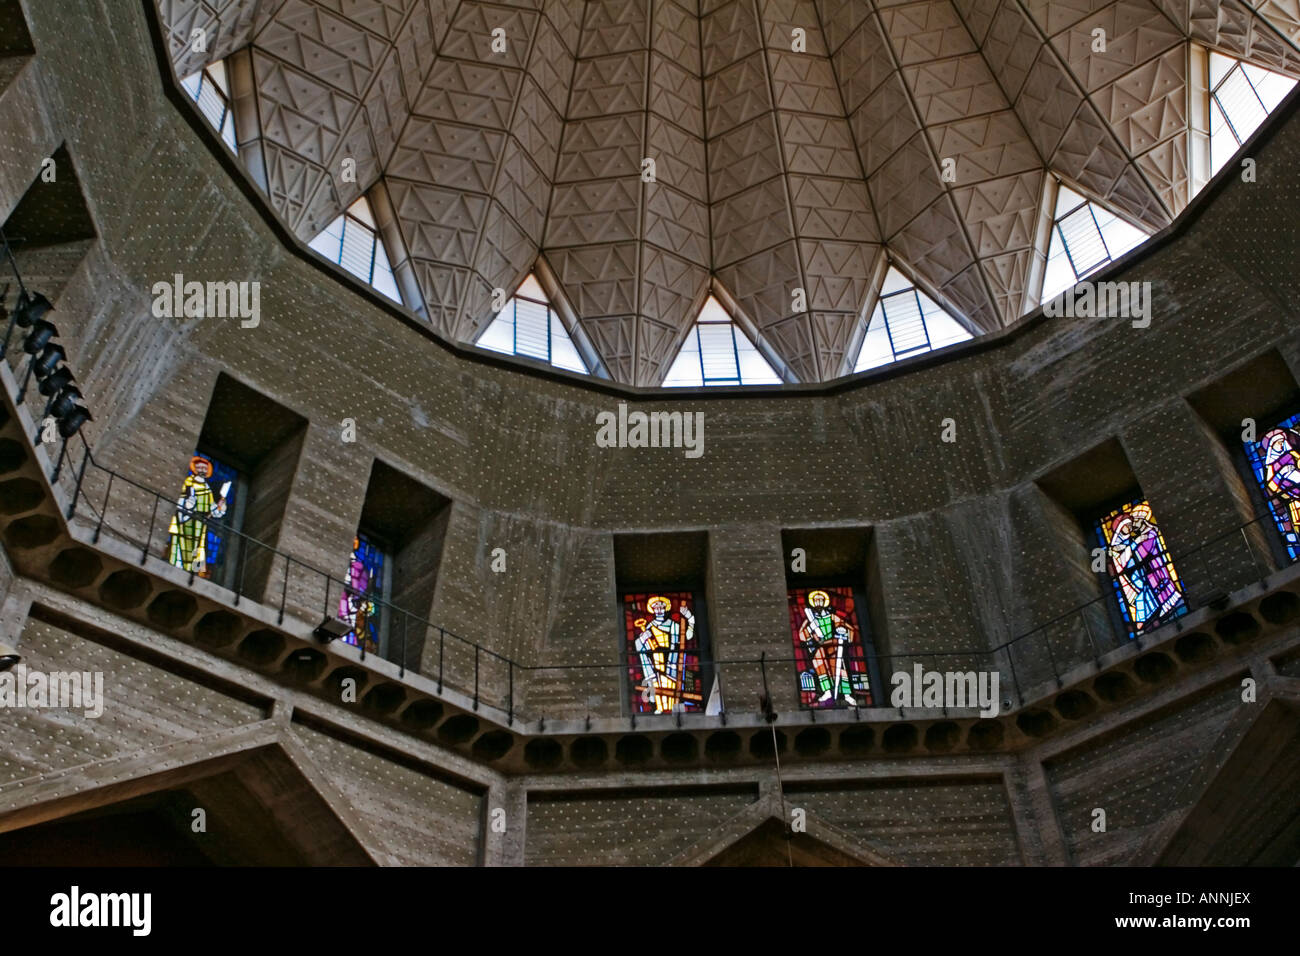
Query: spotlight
point(330, 629)
point(43, 365)
point(30, 309)
point(50, 385)
point(39, 336)
point(71, 423)
point(8, 656)
point(65, 401)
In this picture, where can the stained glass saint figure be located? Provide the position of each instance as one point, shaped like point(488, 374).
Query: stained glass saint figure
point(828, 648)
point(1275, 460)
point(364, 580)
point(663, 656)
point(1146, 585)
point(195, 544)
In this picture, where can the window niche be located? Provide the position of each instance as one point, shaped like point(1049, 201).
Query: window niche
point(231, 506)
point(834, 595)
point(661, 581)
point(394, 564)
point(1102, 515)
point(1252, 416)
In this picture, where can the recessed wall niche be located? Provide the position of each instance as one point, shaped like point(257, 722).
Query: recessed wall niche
point(1100, 516)
point(1245, 408)
point(832, 578)
point(661, 610)
point(252, 445)
point(406, 523)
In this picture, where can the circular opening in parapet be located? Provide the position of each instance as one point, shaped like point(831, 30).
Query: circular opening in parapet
point(346, 681)
point(812, 741)
point(1075, 704)
point(588, 751)
point(723, 745)
point(75, 568)
point(304, 665)
point(1114, 687)
point(383, 698)
point(172, 609)
point(19, 494)
point(457, 729)
point(1237, 627)
point(422, 714)
point(857, 740)
point(760, 744)
point(125, 589)
point(679, 747)
point(986, 735)
point(543, 753)
point(1036, 723)
point(12, 455)
point(1280, 608)
point(493, 745)
point(900, 738)
point(1154, 667)
point(1195, 648)
point(942, 737)
point(31, 532)
point(217, 629)
point(261, 647)
point(633, 749)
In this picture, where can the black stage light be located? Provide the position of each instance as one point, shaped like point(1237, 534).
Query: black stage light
point(64, 402)
point(39, 336)
point(30, 309)
point(55, 382)
point(44, 364)
point(70, 423)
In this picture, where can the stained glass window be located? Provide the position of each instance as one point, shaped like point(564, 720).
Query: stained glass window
point(197, 542)
point(1145, 583)
point(663, 653)
point(528, 325)
point(364, 583)
point(829, 654)
point(1275, 461)
point(211, 90)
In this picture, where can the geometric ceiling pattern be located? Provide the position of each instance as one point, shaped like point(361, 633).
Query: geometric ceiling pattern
point(797, 145)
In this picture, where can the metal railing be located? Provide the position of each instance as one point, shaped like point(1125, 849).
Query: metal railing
point(106, 503)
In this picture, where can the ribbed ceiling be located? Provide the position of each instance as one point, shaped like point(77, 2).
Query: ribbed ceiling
point(775, 170)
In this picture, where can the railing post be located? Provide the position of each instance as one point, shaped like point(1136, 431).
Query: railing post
point(510, 698)
point(284, 589)
point(81, 474)
point(103, 510)
point(148, 539)
point(243, 566)
point(401, 667)
point(476, 650)
point(1015, 682)
point(442, 641)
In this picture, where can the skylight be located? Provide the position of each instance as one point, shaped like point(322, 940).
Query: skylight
point(527, 325)
point(211, 90)
point(905, 322)
point(717, 353)
point(352, 241)
point(1085, 237)
point(1241, 97)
